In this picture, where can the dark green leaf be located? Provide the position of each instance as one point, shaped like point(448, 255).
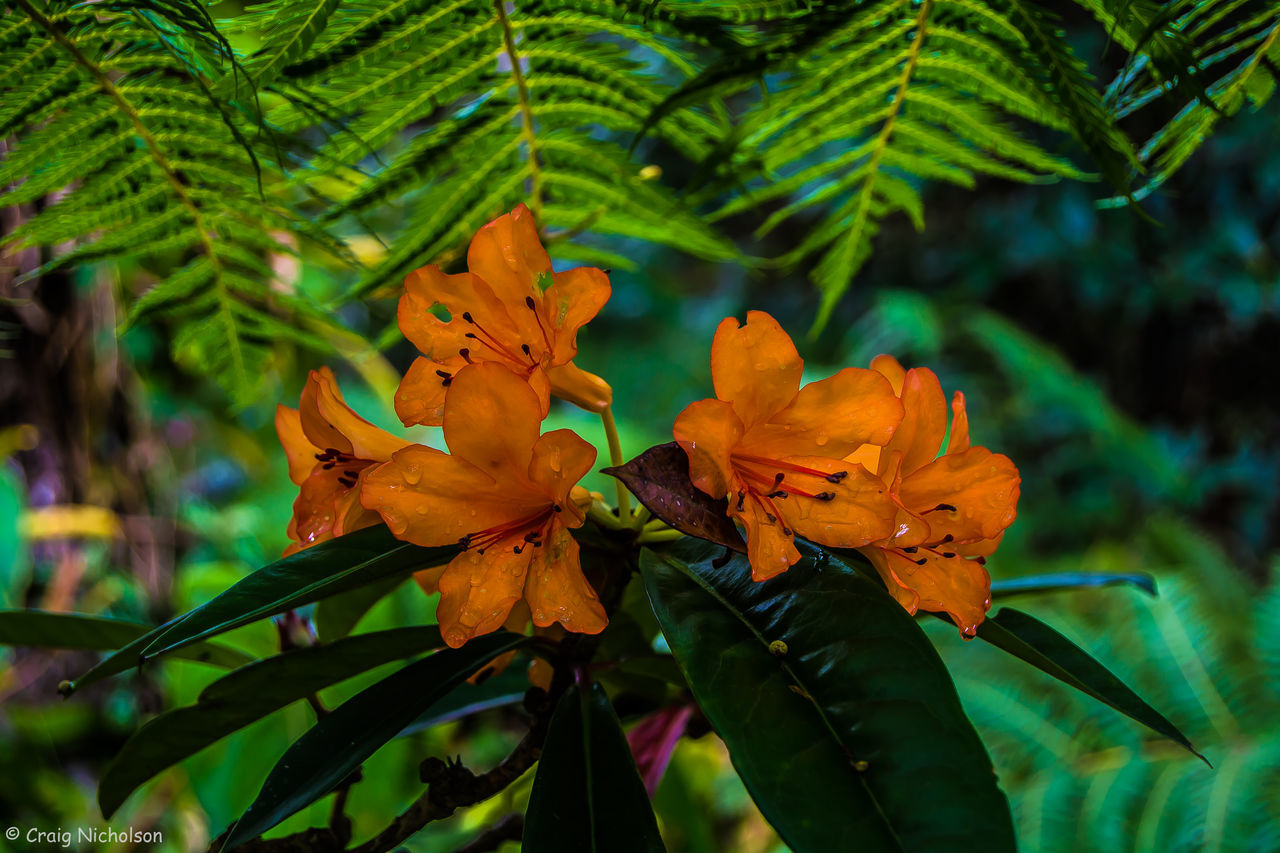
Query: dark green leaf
point(36, 628)
point(246, 695)
point(838, 713)
point(340, 742)
point(338, 615)
point(659, 478)
point(587, 795)
point(1036, 643)
point(1069, 580)
point(330, 568)
point(505, 688)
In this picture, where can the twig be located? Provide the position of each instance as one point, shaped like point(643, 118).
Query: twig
point(509, 828)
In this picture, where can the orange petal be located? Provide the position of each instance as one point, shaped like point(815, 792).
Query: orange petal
point(325, 415)
point(769, 550)
point(889, 367)
point(981, 548)
point(924, 420)
point(478, 590)
point(420, 397)
point(508, 255)
point(560, 459)
point(981, 485)
point(429, 579)
point(903, 594)
point(462, 295)
point(572, 383)
point(349, 514)
point(755, 367)
point(959, 442)
point(958, 587)
point(557, 590)
point(431, 498)
point(315, 509)
point(831, 417)
point(300, 452)
point(491, 419)
point(708, 431)
point(573, 300)
point(861, 511)
point(517, 622)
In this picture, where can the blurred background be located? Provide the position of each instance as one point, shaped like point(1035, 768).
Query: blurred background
point(1129, 366)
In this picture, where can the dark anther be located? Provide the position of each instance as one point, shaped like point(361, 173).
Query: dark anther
point(787, 531)
point(517, 549)
point(919, 562)
point(466, 315)
point(323, 457)
point(443, 374)
point(778, 494)
point(480, 551)
point(607, 272)
point(525, 347)
point(465, 541)
point(911, 550)
point(742, 500)
point(772, 518)
point(947, 555)
point(943, 508)
point(331, 451)
point(948, 538)
point(528, 303)
point(352, 474)
point(532, 536)
point(557, 508)
point(447, 382)
point(472, 335)
point(778, 479)
point(328, 465)
point(837, 476)
point(466, 355)
point(825, 496)
point(981, 561)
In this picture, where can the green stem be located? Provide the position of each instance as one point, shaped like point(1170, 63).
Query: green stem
point(603, 516)
point(659, 536)
point(616, 459)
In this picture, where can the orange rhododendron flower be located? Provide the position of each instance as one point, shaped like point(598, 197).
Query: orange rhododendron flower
point(777, 450)
point(952, 509)
point(330, 449)
point(509, 308)
point(504, 493)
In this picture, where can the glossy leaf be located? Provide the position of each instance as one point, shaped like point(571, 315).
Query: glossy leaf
point(587, 795)
point(330, 568)
point(505, 688)
point(37, 628)
point(238, 699)
point(838, 714)
point(1036, 643)
point(338, 615)
point(341, 740)
point(1060, 581)
point(659, 478)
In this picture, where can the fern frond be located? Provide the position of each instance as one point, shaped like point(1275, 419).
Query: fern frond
point(117, 130)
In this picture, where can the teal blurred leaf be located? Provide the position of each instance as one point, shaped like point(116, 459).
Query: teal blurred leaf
point(333, 567)
point(587, 794)
point(1036, 643)
point(1060, 581)
point(838, 713)
point(78, 631)
point(238, 699)
point(341, 740)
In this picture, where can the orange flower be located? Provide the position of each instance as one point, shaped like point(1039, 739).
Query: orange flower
point(504, 494)
point(330, 449)
point(952, 509)
point(511, 309)
point(777, 450)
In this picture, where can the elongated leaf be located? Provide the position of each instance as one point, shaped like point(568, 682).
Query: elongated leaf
point(838, 713)
point(1060, 581)
point(238, 699)
point(1036, 643)
point(659, 478)
point(37, 628)
point(505, 688)
point(330, 568)
point(340, 742)
point(588, 795)
point(338, 615)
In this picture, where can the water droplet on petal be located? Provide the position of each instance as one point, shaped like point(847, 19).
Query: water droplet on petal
point(821, 439)
point(412, 473)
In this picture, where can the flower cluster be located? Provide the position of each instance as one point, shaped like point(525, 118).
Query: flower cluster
point(851, 461)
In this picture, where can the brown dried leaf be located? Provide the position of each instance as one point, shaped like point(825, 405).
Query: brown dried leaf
point(659, 478)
